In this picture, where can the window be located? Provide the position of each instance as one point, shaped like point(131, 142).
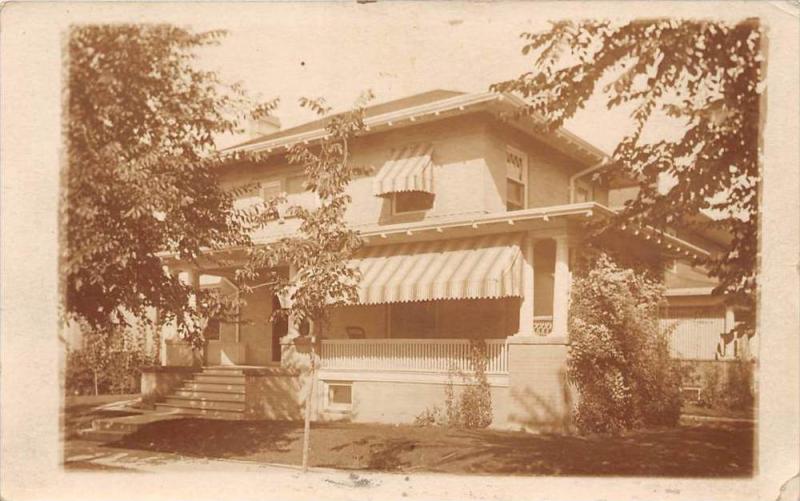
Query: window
point(412, 320)
point(581, 195)
point(516, 179)
point(404, 202)
point(297, 194)
point(339, 396)
point(671, 265)
point(271, 189)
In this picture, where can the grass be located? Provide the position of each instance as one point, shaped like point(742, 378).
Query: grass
point(718, 450)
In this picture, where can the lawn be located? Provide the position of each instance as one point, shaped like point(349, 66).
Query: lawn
point(706, 450)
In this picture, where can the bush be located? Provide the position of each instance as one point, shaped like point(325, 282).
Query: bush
point(472, 408)
point(730, 389)
point(434, 416)
point(108, 363)
point(619, 357)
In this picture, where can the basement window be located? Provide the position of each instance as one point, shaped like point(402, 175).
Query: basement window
point(340, 396)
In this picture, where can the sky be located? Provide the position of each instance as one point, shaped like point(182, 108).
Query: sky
point(337, 51)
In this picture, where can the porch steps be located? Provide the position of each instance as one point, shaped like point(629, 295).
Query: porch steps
point(209, 413)
point(220, 396)
point(212, 387)
point(217, 392)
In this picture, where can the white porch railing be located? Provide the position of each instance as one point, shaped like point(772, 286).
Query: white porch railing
point(411, 355)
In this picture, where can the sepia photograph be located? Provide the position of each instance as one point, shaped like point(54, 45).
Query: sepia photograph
point(382, 250)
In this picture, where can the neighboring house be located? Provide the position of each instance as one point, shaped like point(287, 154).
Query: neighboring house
point(472, 224)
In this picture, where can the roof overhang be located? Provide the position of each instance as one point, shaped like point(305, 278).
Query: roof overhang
point(502, 103)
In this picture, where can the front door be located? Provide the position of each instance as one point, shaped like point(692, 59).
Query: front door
point(280, 327)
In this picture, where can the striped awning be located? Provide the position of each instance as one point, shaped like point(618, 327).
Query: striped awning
point(482, 267)
point(409, 169)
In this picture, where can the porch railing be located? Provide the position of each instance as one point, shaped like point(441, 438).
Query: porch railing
point(411, 355)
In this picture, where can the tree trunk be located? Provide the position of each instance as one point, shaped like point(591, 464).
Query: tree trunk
point(96, 391)
point(309, 401)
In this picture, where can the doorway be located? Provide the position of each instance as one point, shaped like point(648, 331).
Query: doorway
point(280, 327)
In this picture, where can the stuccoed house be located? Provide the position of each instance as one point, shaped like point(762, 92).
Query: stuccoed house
point(472, 226)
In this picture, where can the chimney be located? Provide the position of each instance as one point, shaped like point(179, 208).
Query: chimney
point(262, 126)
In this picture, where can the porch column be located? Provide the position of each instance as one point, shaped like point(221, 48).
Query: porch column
point(526, 305)
point(292, 329)
point(561, 285)
point(193, 281)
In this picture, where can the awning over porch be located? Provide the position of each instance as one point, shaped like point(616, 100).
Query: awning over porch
point(409, 169)
point(469, 268)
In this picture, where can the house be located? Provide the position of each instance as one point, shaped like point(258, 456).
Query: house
point(472, 221)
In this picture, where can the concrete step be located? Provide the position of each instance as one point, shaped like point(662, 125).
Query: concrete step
point(209, 413)
point(222, 371)
point(223, 396)
point(101, 435)
point(214, 387)
point(205, 404)
point(227, 379)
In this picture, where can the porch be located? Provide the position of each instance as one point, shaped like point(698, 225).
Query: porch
point(420, 303)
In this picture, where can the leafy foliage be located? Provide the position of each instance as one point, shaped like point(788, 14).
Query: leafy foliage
point(142, 175)
point(726, 385)
point(108, 362)
point(472, 408)
point(619, 357)
point(706, 74)
point(321, 248)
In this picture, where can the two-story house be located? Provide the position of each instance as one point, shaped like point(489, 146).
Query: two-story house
point(472, 222)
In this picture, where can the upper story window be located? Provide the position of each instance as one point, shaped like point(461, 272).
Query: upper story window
point(271, 189)
point(407, 177)
point(293, 187)
point(406, 202)
point(516, 179)
point(583, 192)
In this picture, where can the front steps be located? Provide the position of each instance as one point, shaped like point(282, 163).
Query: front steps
point(217, 392)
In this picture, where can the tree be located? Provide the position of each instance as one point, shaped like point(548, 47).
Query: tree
point(619, 357)
point(706, 74)
point(142, 175)
point(321, 249)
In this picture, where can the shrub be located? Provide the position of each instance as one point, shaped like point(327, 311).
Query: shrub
point(108, 362)
point(432, 416)
point(730, 389)
point(472, 408)
point(619, 357)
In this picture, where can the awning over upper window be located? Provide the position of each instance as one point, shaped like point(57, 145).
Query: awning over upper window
point(482, 267)
point(409, 169)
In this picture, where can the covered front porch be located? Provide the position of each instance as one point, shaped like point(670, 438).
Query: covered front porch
point(420, 304)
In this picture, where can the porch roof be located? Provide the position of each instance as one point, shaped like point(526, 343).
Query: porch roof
point(484, 267)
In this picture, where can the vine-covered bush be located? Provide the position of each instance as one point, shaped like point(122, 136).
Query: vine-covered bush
point(619, 357)
point(107, 362)
point(472, 407)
